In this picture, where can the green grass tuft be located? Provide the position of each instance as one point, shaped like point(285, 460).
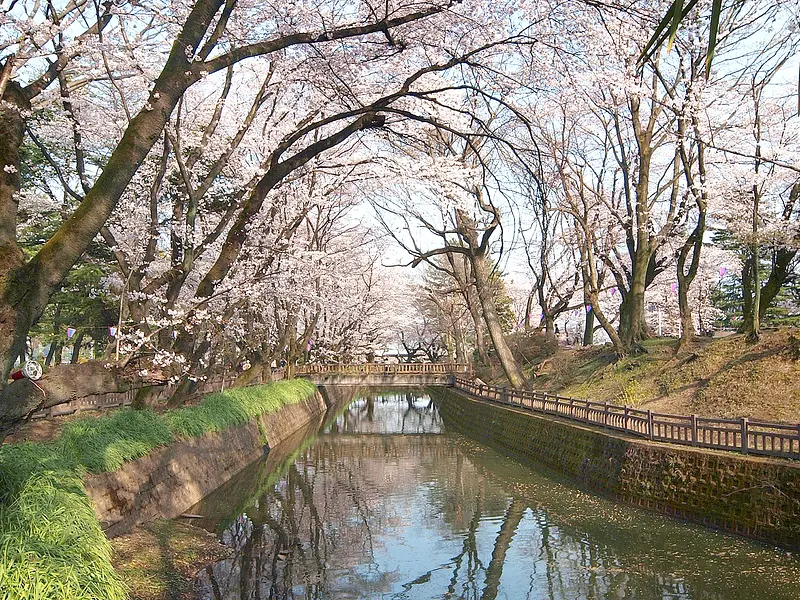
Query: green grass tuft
point(51, 544)
point(105, 443)
point(237, 406)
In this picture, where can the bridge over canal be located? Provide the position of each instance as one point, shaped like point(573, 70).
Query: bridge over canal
point(379, 375)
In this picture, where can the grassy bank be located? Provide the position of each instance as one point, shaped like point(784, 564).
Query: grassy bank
point(726, 377)
point(51, 544)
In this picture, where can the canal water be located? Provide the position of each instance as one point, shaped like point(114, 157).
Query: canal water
point(381, 501)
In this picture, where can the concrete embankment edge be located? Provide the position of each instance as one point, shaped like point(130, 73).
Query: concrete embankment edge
point(169, 480)
point(755, 497)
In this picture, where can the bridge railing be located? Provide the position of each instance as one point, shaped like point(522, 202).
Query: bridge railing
point(740, 435)
point(386, 369)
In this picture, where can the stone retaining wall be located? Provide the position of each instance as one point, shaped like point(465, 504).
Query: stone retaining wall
point(169, 480)
point(755, 497)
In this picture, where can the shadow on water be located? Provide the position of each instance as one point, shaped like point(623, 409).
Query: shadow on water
point(383, 503)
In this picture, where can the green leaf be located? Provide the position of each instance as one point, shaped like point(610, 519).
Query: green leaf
point(658, 36)
point(666, 28)
point(677, 9)
point(716, 11)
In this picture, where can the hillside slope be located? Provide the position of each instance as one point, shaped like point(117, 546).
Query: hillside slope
point(724, 377)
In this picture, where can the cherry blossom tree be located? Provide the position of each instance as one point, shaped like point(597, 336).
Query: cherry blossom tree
point(188, 43)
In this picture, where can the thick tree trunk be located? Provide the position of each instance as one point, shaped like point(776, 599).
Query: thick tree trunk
point(25, 289)
point(549, 327)
point(693, 244)
point(188, 386)
point(12, 131)
point(480, 338)
point(781, 262)
point(60, 384)
point(13, 331)
point(591, 297)
point(507, 361)
point(588, 328)
point(146, 396)
point(608, 327)
point(780, 271)
point(688, 332)
point(182, 393)
point(632, 325)
point(747, 295)
point(258, 372)
point(76, 349)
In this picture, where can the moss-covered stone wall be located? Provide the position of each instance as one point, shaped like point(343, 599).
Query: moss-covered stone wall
point(756, 497)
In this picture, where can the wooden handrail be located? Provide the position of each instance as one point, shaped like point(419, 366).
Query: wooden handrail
point(118, 399)
point(386, 369)
point(739, 435)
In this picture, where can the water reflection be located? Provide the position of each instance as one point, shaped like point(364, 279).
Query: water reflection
point(363, 512)
point(389, 412)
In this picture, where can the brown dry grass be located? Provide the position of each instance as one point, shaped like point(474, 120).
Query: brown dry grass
point(40, 430)
point(159, 561)
point(726, 377)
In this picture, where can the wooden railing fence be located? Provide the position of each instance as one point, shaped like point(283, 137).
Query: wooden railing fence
point(390, 369)
point(118, 399)
point(740, 435)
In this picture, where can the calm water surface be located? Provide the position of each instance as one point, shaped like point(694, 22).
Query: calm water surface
point(384, 502)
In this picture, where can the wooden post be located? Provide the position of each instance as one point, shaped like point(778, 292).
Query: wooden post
point(650, 424)
point(744, 435)
point(694, 430)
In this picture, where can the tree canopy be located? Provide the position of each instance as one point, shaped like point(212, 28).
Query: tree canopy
point(199, 187)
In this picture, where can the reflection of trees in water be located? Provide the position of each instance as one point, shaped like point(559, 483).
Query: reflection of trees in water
point(411, 412)
point(563, 559)
point(315, 521)
point(511, 520)
point(469, 549)
point(320, 532)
